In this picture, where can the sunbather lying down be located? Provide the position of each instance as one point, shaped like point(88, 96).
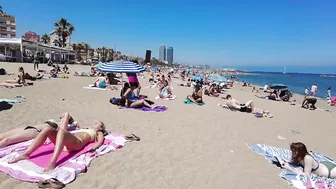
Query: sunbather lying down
point(301, 157)
point(26, 133)
point(231, 103)
point(66, 141)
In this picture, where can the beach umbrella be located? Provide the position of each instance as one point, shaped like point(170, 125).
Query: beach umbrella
point(197, 78)
point(121, 67)
point(278, 86)
point(217, 78)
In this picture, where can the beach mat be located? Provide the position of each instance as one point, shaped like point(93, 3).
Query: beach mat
point(96, 88)
point(147, 109)
point(187, 101)
point(66, 172)
point(173, 97)
point(278, 155)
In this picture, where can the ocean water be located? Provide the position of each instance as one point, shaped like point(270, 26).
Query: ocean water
point(297, 83)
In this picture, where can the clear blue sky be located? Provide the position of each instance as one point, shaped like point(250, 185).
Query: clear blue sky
point(238, 33)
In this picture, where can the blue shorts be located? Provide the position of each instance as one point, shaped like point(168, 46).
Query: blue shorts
point(102, 85)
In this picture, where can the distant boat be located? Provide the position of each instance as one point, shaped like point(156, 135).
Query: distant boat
point(327, 75)
point(284, 72)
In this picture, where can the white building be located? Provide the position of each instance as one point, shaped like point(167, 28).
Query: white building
point(54, 36)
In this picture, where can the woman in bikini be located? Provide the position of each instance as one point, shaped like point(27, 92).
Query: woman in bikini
point(131, 100)
point(18, 82)
point(27, 133)
point(64, 140)
point(196, 97)
point(165, 90)
point(300, 156)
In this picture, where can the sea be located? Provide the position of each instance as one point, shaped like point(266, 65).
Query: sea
point(296, 82)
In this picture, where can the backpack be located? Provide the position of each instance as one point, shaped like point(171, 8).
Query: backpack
point(115, 101)
point(2, 71)
point(206, 92)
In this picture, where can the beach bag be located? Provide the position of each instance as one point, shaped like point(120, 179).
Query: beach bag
point(115, 101)
point(2, 71)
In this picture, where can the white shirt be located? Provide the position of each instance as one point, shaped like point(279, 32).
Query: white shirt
point(265, 87)
point(313, 88)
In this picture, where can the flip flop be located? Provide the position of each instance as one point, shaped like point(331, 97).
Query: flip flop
point(132, 137)
point(51, 183)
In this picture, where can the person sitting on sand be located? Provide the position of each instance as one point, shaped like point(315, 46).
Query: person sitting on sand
point(309, 102)
point(196, 97)
point(132, 100)
point(248, 107)
point(212, 91)
point(18, 82)
point(165, 90)
point(301, 157)
point(64, 140)
point(65, 69)
point(101, 82)
point(27, 133)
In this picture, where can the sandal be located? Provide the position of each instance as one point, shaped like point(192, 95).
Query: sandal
point(132, 137)
point(51, 183)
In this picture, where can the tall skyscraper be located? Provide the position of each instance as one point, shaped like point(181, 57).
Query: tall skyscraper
point(148, 56)
point(162, 52)
point(170, 55)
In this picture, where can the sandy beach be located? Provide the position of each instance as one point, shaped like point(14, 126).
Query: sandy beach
point(187, 146)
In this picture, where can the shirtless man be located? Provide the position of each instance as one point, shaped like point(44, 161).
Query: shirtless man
point(101, 82)
point(248, 107)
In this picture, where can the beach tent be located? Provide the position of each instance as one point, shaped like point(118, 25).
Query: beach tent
point(278, 86)
point(121, 67)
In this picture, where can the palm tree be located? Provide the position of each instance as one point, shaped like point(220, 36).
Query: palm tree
point(57, 43)
point(45, 39)
point(1, 11)
point(86, 50)
point(80, 47)
point(64, 29)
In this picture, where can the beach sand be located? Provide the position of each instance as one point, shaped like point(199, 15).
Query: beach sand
point(187, 146)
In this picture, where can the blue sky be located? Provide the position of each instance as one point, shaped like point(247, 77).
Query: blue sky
point(229, 33)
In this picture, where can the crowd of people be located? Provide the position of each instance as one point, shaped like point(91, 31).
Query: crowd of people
point(130, 96)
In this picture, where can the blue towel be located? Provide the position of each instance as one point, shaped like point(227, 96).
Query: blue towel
point(11, 101)
point(273, 154)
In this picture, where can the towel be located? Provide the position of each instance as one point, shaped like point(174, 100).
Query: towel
point(277, 155)
point(69, 164)
point(147, 109)
point(11, 101)
point(173, 97)
point(187, 101)
point(96, 88)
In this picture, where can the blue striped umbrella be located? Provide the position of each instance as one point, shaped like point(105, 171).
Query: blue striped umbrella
point(121, 67)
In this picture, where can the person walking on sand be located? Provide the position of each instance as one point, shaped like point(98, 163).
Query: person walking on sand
point(328, 95)
point(36, 64)
point(306, 91)
point(313, 90)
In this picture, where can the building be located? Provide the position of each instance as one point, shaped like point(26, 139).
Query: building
point(170, 55)
point(148, 56)
point(55, 37)
point(7, 26)
point(31, 36)
point(162, 52)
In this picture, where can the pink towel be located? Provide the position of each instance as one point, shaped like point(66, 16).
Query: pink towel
point(42, 156)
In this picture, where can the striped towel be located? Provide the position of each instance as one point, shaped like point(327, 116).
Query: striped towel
point(274, 154)
point(66, 172)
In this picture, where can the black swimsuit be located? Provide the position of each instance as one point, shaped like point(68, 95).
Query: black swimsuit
point(31, 127)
